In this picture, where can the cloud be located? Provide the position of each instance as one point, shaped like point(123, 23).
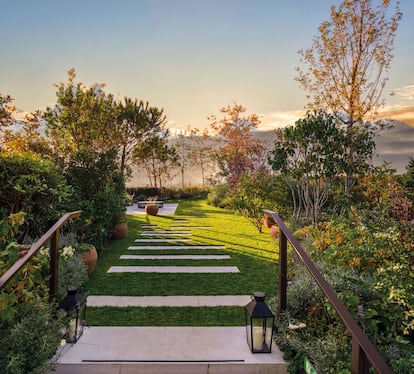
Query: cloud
point(273, 120)
point(406, 92)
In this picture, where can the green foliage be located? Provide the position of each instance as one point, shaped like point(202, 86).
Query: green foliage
point(100, 193)
point(312, 154)
point(35, 186)
point(29, 342)
point(257, 192)
point(72, 273)
point(220, 196)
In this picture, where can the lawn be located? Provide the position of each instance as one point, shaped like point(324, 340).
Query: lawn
point(255, 254)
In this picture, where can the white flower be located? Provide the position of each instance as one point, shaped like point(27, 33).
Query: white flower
point(68, 251)
point(63, 342)
point(44, 251)
point(296, 326)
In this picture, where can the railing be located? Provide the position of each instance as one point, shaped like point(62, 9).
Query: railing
point(53, 234)
point(364, 353)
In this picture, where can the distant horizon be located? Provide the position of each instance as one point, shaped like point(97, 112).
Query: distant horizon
point(394, 146)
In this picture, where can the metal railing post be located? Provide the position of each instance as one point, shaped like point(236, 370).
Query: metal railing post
point(54, 265)
point(282, 272)
point(359, 363)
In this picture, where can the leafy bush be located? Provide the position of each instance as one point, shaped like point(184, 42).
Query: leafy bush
point(29, 342)
point(35, 186)
point(100, 193)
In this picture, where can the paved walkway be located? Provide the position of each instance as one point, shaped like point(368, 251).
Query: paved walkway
point(172, 301)
point(169, 350)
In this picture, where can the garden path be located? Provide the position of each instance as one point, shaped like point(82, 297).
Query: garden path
point(161, 349)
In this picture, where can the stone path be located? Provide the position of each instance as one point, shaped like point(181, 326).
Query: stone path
point(165, 349)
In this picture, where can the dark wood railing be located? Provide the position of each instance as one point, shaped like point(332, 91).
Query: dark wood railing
point(364, 353)
point(53, 234)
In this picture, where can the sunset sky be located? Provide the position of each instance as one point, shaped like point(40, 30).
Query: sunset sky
point(190, 57)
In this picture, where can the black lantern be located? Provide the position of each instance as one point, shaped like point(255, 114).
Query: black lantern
point(259, 324)
point(73, 306)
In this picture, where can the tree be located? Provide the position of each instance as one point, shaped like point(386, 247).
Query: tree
point(157, 158)
point(137, 121)
point(238, 152)
point(202, 149)
point(349, 61)
point(25, 137)
point(311, 155)
point(83, 118)
point(259, 191)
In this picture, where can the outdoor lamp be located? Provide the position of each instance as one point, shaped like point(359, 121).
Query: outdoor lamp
point(259, 324)
point(73, 306)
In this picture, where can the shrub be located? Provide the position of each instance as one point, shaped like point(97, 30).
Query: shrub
point(29, 342)
point(35, 186)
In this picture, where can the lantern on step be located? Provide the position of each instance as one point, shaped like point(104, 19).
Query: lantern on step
point(73, 307)
point(259, 324)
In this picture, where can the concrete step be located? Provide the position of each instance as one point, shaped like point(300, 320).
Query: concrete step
point(173, 269)
point(169, 350)
point(168, 301)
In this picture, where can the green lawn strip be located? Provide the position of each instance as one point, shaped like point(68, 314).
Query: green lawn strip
point(253, 253)
point(166, 316)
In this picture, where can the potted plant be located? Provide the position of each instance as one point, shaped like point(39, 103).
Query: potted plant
point(152, 207)
point(89, 255)
point(121, 227)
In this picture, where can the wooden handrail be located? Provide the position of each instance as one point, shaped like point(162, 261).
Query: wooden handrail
point(53, 234)
point(364, 352)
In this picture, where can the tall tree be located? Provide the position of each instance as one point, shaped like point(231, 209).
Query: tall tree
point(157, 158)
point(137, 121)
point(238, 153)
point(349, 61)
point(310, 155)
point(83, 118)
point(202, 150)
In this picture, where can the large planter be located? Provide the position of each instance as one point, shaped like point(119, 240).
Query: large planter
point(268, 221)
point(120, 230)
point(90, 258)
point(274, 231)
point(152, 210)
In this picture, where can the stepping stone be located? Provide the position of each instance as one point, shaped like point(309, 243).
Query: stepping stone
point(174, 257)
point(168, 301)
point(173, 269)
point(164, 232)
point(161, 240)
point(191, 227)
point(173, 247)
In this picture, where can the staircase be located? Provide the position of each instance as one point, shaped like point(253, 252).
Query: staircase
point(168, 349)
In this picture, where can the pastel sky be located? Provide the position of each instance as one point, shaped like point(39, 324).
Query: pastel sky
point(190, 57)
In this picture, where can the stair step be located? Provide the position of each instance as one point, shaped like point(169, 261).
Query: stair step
point(175, 257)
point(166, 240)
point(173, 269)
point(173, 247)
point(168, 301)
point(172, 350)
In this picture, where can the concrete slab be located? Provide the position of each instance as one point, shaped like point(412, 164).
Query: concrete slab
point(172, 247)
point(153, 232)
point(173, 269)
point(166, 240)
point(168, 301)
point(167, 209)
point(174, 257)
point(127, 350)
point(190, 227)
point(167, 234)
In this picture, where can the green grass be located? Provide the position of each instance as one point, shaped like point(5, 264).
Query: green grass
point(253, 253)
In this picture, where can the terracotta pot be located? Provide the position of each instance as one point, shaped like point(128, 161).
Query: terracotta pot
point(120, 230)
point(152, 210)
point(274, 231)
point(268, 221)
point(90, 258)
